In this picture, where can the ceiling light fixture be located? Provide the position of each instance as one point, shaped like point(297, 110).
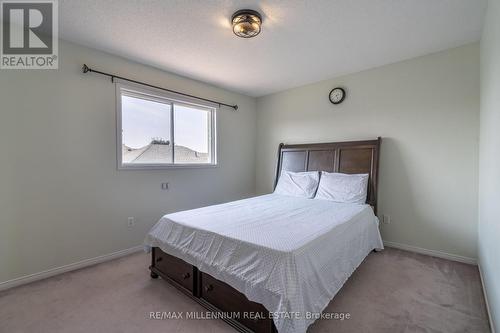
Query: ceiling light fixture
point(246, 23)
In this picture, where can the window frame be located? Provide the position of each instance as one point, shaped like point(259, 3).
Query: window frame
point(160, 96)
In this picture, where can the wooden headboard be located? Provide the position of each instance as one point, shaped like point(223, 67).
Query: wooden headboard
point(345, 157)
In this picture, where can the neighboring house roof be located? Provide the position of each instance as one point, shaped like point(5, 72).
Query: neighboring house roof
point(162, 153)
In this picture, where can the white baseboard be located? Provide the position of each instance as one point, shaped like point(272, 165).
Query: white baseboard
point(66, 268)
point(433, 253)
point(492, 324)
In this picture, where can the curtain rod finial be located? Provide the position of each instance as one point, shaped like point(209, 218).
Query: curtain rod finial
point(235, 108)
point(85, 68)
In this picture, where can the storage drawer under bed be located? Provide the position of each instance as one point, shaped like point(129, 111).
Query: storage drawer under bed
point(174, 268)
point(251, 314)
point(215, 295)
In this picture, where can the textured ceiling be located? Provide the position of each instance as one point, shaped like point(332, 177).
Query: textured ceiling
point(301, 41)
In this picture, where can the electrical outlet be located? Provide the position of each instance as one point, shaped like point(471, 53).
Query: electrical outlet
point(164, 186)
point(131, 221)
point(386, 219)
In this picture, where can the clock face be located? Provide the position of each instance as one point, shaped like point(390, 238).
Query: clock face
point(337, 95)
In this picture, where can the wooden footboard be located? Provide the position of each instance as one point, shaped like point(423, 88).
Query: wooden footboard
point(213, 294)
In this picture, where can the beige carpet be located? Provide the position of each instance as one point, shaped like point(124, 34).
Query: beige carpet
point(392, 291)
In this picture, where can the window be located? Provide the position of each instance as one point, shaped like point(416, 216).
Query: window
point(160, 130)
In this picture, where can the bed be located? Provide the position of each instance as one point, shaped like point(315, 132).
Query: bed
point(272, 263)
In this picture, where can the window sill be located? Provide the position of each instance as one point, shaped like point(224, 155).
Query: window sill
point(125, 167)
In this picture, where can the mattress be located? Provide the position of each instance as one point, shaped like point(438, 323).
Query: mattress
point(290, 254)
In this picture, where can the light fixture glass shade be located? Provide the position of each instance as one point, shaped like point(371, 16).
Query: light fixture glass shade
point(246, 23)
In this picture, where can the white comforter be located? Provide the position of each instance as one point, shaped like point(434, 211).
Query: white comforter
point(290, 254)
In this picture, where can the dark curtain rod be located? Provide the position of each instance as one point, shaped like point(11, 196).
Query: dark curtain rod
point(87, 69)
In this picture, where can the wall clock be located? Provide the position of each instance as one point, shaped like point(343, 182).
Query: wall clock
point(337, 95)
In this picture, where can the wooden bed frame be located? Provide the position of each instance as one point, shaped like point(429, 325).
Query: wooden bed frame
point(215, 295)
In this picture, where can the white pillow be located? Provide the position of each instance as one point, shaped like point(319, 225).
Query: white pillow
point(298, 184)
point(341, 187)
